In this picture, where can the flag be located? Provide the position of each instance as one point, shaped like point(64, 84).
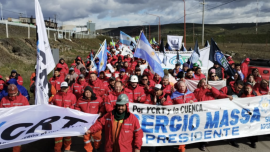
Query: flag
point(145, 51)
point(177, 57)
point(217, 56)
point(190, 49)
point(162, 50)
point(195, 54)
point(113, 43)
point(126, 39)
point(151, 42)
point(154, 41)
point(183, 48)
point(45, 61)
point(206, 44)
point(168, 47)
point(102, 56)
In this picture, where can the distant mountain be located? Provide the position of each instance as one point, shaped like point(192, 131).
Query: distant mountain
point(211, 30)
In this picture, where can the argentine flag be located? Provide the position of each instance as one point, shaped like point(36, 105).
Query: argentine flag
point(102, 56)
point(145, 51)
point(195, 54)
point(126, 39)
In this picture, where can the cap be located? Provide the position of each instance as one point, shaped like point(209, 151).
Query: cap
point(212, 71)
point(180, 75)
point(73, 64)
point(137, 69)
point(64, 84)
point(81, 76)
point(185, 65)
point(13, 71)
point(71, 69)
point(112, 79)
point(158, 87)
point(134, 78)
point(247, 59)
point(12, 88)
point(122, 99)
point(93, 96)
point(122, 70)
point(79, 58)
point(166, 72)
point(195, 65)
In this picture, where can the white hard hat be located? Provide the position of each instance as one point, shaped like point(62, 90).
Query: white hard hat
point(64, 84)
point(134, 78)
point(158, 86)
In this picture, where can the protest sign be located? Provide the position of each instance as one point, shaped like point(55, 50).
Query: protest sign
point(203, 121)
point(172, 59)
point(21, 125)
point(192, 84)
point(175, 42)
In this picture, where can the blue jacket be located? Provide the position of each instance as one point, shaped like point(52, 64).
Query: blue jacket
point(21, 89)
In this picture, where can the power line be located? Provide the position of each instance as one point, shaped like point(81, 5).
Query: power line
point(207, 9)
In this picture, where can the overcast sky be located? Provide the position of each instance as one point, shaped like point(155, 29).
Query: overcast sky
point(115, 13)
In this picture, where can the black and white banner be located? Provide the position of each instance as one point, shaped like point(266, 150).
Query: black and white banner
point(175, 42)
point(22, 125)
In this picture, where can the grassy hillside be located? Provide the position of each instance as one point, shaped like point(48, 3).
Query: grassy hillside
point(20, 54)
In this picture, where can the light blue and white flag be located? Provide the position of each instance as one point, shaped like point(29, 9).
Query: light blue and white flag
point(126, 39)
point(195, 54)
point(102, 56)
point(183, 48)
point(145, 51)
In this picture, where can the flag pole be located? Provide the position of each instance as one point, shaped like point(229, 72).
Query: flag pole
point(138, 41)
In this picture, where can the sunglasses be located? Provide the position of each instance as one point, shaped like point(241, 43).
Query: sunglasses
point(144, 79)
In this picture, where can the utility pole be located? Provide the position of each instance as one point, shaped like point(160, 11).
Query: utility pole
point(146, 31)
point(184, 22)
point(203, 23)
point(158, 26)
point(159, 39)
point(55, 20)
point(193, 32)
point(1, 11)
point(257, 17)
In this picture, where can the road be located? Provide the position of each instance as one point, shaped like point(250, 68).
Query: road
point(46, 145)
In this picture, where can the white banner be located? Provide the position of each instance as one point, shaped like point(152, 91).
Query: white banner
point(192, 84)
point(175, 42)
point(203, 121)
point(45, 61)
point(126, 51)
point(21, 125)
point(171, 59)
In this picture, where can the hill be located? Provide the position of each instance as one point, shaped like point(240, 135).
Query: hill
point(227, 33)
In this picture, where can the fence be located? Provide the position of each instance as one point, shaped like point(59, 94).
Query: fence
point(19, 30)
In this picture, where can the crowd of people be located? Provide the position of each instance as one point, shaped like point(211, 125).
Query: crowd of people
point(80, 86)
